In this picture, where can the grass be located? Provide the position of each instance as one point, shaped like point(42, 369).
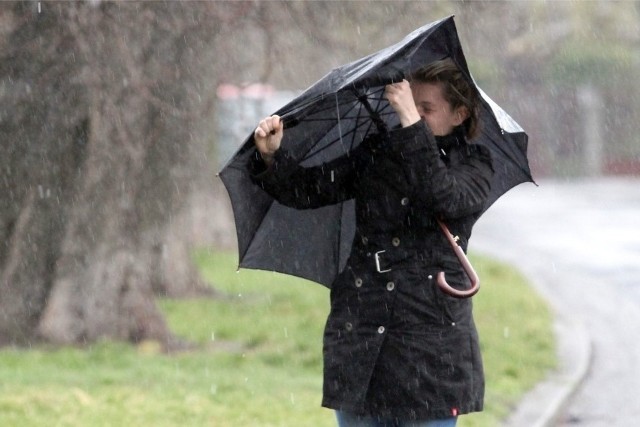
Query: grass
point(258, 359)
point(516, 338)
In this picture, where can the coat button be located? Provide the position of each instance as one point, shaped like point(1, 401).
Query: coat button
point(358, 282)
point(404, 201)
point(365, 240)
point(348, 326)
point(381, 330)
point(430, 277)
point(395, 241)
point(390, 286)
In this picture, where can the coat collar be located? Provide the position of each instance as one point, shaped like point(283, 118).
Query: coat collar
point(453, 140)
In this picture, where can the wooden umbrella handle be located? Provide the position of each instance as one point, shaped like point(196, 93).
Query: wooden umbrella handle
point(466, 265)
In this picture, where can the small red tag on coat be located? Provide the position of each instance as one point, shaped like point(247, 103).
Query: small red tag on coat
point(454, 412)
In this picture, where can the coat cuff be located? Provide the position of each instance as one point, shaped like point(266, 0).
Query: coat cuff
point(283, 165)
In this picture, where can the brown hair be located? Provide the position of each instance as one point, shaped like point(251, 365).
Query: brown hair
point(457, 90)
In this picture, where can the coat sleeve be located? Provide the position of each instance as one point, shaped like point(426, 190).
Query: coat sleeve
point(304, 187)
point(450, 192)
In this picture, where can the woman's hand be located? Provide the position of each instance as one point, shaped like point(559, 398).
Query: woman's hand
point(400, 97)
point(267, 137)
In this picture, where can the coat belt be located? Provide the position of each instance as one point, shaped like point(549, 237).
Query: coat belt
point(385, 259)
point(387, 252)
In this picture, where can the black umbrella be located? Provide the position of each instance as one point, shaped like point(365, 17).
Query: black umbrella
point(331, 118)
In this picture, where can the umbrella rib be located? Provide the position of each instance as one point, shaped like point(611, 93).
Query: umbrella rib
point(379, 99)
point(352, 133)
point(339, 121)
point(328, 108)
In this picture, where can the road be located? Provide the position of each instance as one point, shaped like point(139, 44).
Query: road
point(579, 242)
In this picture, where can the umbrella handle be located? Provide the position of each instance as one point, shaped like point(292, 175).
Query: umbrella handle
point(466, 265)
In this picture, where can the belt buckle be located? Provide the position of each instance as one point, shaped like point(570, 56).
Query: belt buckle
point(377, 258)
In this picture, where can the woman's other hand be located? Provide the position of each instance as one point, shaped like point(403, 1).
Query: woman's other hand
point(400, 97)
point(268, 136)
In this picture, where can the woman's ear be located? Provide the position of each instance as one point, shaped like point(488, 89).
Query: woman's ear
point(461, 114)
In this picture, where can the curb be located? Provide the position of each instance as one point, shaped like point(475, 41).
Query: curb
point(542, 406)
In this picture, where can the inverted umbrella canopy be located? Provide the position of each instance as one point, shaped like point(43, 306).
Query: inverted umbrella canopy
point(328, 120)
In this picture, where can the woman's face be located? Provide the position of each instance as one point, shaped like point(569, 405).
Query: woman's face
point(434, 110)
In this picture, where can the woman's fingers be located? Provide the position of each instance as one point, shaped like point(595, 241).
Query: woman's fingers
point(268, 126)
point(268, 135)
point(401, 100)
point(276, 124)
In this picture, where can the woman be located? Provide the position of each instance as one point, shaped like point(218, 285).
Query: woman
point(398, 351)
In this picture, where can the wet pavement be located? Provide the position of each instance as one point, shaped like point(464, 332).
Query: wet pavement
point(579, 243)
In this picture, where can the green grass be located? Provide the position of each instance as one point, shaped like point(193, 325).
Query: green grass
point(257, 361)
point(516, 337)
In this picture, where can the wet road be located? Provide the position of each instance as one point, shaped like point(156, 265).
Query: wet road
point(580, 242)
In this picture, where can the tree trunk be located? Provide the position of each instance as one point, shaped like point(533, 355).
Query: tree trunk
point(100, 152)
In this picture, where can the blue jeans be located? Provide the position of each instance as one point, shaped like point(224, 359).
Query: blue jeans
point(346, 419)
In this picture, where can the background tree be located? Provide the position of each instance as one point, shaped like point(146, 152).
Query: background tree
point(102, 105)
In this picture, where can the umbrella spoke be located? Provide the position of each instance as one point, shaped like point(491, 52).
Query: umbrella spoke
point(352, 133)
point(355, 113)
point(362, 120)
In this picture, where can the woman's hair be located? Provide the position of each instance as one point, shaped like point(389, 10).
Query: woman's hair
point(457, 90)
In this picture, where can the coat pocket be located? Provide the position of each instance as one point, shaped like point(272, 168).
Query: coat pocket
point(456, 310)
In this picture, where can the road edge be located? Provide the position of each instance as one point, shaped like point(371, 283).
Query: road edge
point(542, 406)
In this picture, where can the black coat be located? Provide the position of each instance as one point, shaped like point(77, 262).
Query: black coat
point(394, 344)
